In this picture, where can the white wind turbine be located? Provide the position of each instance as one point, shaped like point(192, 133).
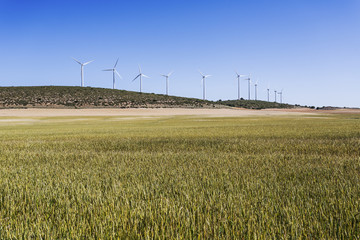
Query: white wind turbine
point(82, 70)
point(268, 93)
point(249, 82)
point(238, 76)
point(167, 81)
point(280, 93)
point(275, 94)
point(203, 82)
point(256, 84)
point(140, 75)
point(114, 71)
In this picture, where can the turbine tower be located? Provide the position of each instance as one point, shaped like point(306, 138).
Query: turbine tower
point(249, 81)
point(203, 82)
point(82, 70)
point(167, 82)
point(268, 93)
point(114, 71)
point(275, 94)
point(140, 75)
point(256, 84)
point(238, 76)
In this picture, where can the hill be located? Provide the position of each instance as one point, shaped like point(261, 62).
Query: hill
point(89, 97)
point(254, 104)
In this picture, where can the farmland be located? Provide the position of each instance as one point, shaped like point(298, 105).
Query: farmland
point(180, 177)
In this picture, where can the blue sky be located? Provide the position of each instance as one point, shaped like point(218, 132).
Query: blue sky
point(310, 49)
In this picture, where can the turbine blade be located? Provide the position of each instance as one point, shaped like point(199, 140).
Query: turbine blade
point(163, 75)
point(170, 73)
point(88, 62)
point(118, 74)
point(207, 76)
point(136, 77)
point(108, 70)
point(77, 61)
point(116, 63)
point(139, 69)
point(201, 73)
point(145, 76)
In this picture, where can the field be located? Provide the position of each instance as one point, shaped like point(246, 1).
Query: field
point(186, 177)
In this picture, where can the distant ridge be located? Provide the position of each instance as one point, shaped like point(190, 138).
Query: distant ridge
point(255, 104)
point(89, 97)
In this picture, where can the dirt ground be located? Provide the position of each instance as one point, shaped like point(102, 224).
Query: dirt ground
point(235, 112)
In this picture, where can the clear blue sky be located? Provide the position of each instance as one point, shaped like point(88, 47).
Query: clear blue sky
point(311, 49)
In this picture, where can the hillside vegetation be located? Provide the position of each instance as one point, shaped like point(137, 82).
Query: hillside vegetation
point(254, 104)
point(88, 97)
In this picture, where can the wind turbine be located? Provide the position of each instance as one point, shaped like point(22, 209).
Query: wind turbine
point(82, 70)
point(249, 81)
point(275, 94)
point(256, 84)
point(203, 81)
point(280, 93)
point(167, 82)
point(114, 71)
point(140, 76)
point(268, 93)
point(238, 76)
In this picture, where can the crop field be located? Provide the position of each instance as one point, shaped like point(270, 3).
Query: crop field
point(184, 177)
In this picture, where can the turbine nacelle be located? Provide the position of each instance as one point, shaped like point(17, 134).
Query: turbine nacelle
point(143, 75)
point(239, 75)
point(140, 75)
point(82, 64)
point(168, 75)
point(204, 76)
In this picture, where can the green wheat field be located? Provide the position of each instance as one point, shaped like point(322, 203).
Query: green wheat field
point(181, 177)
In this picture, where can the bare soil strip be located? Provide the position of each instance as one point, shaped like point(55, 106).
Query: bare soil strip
point(234, 112)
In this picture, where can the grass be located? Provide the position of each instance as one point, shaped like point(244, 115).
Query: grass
point(180, 177)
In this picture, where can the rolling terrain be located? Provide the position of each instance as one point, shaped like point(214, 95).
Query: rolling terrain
point(88, 97)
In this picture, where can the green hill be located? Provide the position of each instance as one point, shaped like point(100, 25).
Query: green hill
point(88, 97)
point(254, 104)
